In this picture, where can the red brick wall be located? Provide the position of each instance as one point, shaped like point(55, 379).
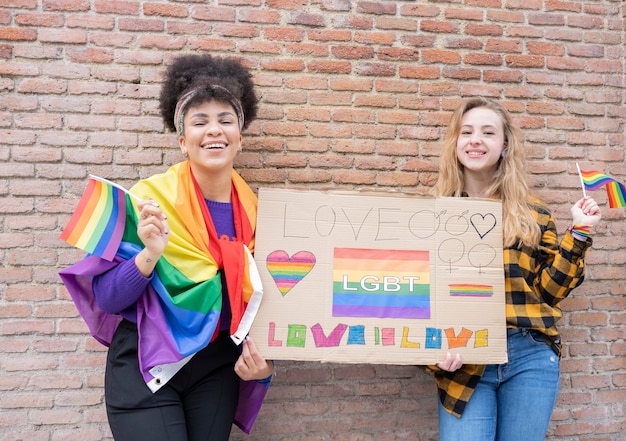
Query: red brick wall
point(355, 94)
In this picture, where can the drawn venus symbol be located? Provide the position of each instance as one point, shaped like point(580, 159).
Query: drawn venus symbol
point(288, 271)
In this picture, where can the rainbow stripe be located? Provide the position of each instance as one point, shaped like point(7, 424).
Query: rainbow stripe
point(616, 192)
point(97, 224)
point(470, 290)
point(594, 179)
point(381, 283)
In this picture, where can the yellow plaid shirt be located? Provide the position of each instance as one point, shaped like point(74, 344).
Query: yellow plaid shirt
point(536, 280)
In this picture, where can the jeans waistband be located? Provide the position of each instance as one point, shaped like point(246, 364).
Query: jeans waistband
point(554, 343)
point(513, 331)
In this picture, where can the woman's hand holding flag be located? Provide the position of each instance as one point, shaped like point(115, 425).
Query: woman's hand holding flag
point(153, 231)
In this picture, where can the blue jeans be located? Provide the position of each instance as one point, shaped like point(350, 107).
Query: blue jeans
point(513, 401)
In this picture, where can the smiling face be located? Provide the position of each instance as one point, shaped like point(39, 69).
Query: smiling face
point(481, 141)
point(211, 137)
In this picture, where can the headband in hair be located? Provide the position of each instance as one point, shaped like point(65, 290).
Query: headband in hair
point(183, 102)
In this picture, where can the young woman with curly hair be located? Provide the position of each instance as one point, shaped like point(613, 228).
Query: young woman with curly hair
point(180, 295)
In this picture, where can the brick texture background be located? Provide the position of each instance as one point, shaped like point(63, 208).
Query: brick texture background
point(354, 94)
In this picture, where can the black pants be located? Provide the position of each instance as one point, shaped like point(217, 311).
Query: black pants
point(198, 404)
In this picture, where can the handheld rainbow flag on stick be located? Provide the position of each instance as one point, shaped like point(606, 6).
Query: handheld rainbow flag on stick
point(592, 180)
point(97, 224)
point(113, 184)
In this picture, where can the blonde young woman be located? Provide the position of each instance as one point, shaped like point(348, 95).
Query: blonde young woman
point(483, 156)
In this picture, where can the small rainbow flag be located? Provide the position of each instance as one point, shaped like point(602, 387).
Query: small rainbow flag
point(381, 283)
point(616, 192)
point(97, 224)
point(470, 290)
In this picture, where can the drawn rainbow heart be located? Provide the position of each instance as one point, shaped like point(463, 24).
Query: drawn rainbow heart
point(288, 271)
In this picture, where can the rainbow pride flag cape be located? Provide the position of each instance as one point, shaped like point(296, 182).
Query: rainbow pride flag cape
point(616, 191)
point(179, 312)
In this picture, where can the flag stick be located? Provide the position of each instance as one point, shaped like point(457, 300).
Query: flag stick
point(582, 183)
point(106, 181)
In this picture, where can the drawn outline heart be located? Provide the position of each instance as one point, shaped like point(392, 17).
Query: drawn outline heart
point(483, 226)
point(288, 271)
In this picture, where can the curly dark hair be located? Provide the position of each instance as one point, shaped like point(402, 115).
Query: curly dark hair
point(191, 70)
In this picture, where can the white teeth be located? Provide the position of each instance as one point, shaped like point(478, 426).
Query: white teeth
point(214, 146)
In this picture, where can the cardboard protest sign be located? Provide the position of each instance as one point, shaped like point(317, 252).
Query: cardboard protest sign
point(379, 278)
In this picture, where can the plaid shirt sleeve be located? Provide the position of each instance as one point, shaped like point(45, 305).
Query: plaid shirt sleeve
point(536, 280)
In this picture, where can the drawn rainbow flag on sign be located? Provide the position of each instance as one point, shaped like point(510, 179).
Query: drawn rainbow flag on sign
point(381, 283)
point(470, 290)
point(616, 192)
point(97, 224)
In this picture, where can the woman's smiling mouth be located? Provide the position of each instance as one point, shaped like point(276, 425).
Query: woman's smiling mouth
point(214, 146)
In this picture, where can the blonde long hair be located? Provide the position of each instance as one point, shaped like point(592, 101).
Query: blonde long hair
point(510, 183)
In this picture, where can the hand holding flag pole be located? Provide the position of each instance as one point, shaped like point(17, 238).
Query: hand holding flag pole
point(582, 182)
